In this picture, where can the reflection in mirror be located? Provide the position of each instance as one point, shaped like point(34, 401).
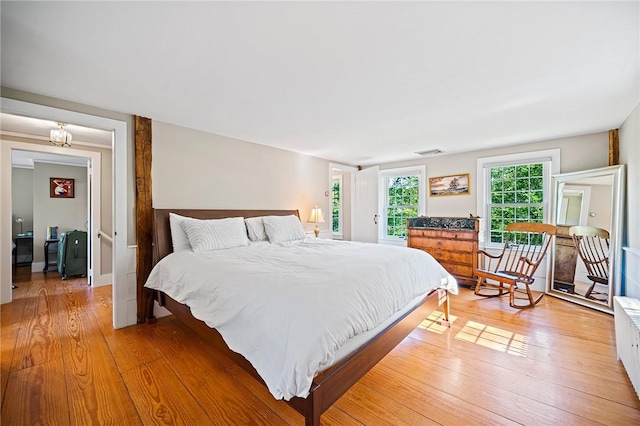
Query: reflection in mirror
point(587, 212)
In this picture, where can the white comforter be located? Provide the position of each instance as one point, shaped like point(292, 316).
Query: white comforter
point(288, 307)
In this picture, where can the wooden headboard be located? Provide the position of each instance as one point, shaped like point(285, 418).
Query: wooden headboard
point(162, 244)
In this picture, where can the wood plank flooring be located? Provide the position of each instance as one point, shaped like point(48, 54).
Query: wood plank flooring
point(62, 363)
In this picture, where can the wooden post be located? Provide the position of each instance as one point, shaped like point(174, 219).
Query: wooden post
point(144, 217)
point(614, 148)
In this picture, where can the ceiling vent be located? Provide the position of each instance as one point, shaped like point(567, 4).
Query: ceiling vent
point(429, 152)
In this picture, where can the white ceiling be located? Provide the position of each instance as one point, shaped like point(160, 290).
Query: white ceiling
point(355, 82)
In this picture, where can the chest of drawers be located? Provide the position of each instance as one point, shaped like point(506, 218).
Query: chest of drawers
point(451, 241)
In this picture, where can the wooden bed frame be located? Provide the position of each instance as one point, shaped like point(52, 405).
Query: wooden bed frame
point(329, 385)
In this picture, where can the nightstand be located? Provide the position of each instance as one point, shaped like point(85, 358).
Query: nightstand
point(23, 254)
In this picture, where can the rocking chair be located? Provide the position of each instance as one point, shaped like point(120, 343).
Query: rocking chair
point(593, 248)
point(525, 246)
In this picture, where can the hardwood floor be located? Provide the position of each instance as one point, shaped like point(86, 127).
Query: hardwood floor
point(62, 363)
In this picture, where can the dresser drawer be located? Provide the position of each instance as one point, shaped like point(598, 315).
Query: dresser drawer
point(452, 256)
point(432, 244)
point(439, 233)
point(458, 269)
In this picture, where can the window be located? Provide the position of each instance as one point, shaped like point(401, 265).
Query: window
point(403, 193)
point(517, 195)
point(514, 188)
point(336, 205)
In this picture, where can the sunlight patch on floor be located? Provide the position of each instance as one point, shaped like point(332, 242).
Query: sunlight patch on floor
point(432, 322)
point(494, 338)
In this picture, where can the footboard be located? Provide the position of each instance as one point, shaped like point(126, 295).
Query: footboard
point(329, 386)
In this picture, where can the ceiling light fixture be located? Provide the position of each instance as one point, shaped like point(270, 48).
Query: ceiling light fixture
point(59, 136)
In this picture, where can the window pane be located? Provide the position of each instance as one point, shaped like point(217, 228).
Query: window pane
point(522, 214)
point(509, 197)
point(522, 171)
point(402, 203)
point(536, 183)
point(537, 214)
point(522, 196)
point(536, 169)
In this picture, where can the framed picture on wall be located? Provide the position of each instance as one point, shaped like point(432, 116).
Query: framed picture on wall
point(449, 185)
point(61, 187)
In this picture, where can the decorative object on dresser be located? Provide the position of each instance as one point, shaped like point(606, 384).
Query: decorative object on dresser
point(452, 241)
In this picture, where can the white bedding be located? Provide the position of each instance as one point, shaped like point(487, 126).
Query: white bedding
point(288, 308)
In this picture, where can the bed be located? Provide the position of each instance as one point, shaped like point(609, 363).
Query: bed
point(342, 370)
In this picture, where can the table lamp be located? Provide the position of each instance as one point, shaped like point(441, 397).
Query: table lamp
point(316, 217)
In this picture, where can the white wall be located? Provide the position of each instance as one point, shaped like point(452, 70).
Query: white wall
point(630, 155)
point(194, 169)
point(67, 214)
point(21, 199)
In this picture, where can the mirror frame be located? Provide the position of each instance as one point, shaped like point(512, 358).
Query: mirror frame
point(615, 254)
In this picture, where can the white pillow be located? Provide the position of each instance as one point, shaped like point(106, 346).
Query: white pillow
point(215, 234)
point(179, 237)
point(283, 228)
point(255, 229)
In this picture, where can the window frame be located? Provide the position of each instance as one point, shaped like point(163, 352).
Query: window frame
point(551, 166)
point(420, 172)
point(339, 234)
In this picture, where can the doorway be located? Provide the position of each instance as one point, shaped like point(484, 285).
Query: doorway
point(44, 215)
point(344, 215)
point(122, 295)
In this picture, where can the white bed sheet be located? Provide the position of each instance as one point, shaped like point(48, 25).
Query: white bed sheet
point(288, 308)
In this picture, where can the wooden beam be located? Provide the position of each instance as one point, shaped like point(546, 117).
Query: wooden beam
point(144, 217)
point(614, 148)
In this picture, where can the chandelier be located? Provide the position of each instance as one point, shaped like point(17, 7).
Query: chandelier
point(60, 136)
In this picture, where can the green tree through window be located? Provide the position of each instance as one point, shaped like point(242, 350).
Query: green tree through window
point(335, 205)
point(517, 195)
point(402, 203)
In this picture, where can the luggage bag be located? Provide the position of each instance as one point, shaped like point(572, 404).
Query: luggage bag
point(72, 254)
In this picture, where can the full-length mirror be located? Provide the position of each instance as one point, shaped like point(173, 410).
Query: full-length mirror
point(587, 210)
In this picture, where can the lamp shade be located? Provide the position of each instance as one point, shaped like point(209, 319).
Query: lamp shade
point(316, 215)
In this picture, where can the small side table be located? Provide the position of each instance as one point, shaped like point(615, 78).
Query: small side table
point(23, 254)
point(50, 246)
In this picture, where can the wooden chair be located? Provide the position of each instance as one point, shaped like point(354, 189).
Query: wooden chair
point(593, 248)
point(525, 246)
